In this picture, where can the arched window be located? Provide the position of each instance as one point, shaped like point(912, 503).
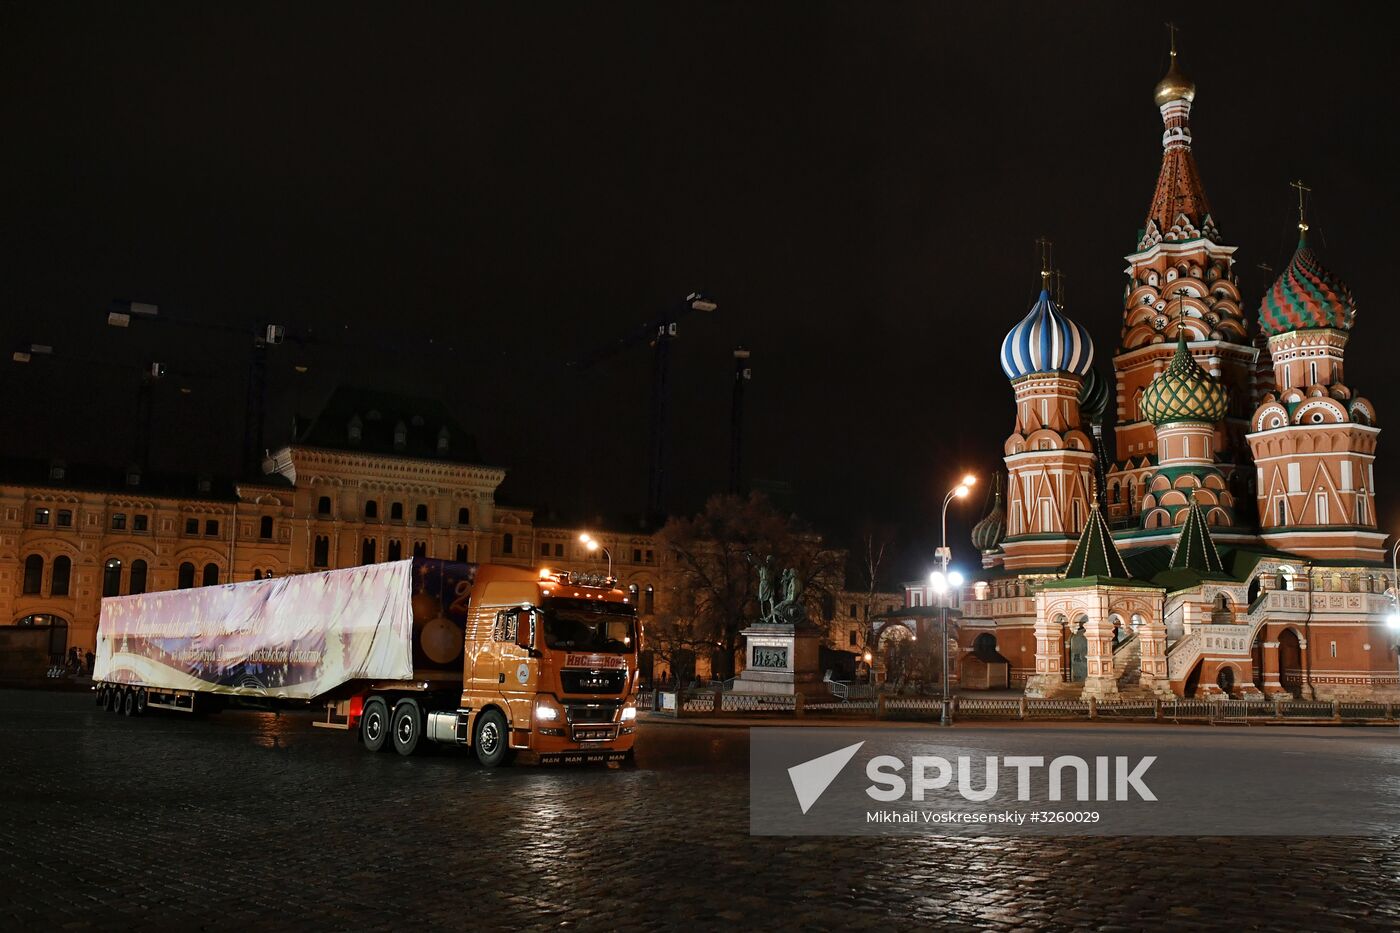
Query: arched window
point(33, 574)
point(321, 556)
point(508, 543)
point(211, 575)
point(462, 554)
point(367, 551)
point(464, 516)
point(137, 583)
point(395, 551)
point(62, 574)
point(396, 512)
point(632, 592)
point(420, 514)
point(323, 505)
point(649, 606)
point(1132, 496)
point(371, 509)
point(420, 549)
point(186, 576)
point(112, 577)
point(265, 527)
point(257, 574)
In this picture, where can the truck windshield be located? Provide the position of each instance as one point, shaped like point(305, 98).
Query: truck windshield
point(586, 625)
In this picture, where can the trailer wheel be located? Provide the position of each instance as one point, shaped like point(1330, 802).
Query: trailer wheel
point(117, 694)
point(408, 726)
point(141, 702)
point(490, 739)
point(99, 696)
point(374, 725)
point(129, 702)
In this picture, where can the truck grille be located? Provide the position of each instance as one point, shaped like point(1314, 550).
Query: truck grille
point(593, 681)
point(591, 712)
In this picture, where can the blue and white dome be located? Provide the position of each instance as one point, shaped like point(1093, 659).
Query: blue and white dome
point(1046, 342)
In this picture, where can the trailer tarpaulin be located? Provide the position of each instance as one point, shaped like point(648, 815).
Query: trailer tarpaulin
point(295, 637)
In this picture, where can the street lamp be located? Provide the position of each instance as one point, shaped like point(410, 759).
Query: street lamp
point(941, 580)
point(593, 544)
point(869, 668)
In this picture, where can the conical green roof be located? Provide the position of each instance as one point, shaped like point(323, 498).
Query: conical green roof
point(1185, 392)
point(1097, 555)
point(1195, 549)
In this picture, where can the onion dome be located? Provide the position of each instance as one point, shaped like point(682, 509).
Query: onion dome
point(1046, 342)
point(1174, 86)
point(1306, 297)
point(1185, 392)
point(1093, 396)
point(990, 532)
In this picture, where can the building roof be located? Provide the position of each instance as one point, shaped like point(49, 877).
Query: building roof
point(1306, 296)
point(1046, 341)
point(1093, 396)
point(389, 424)
point(57, 475)
point(1096, 555)
point(1195, 549)
point(990, 532)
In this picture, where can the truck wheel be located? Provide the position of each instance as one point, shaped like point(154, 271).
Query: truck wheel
point(141, 702)
point(374, 725)
point(118, 694)
point(129, 702)
point(408, 727)
point(490, 739)
point(99, 696)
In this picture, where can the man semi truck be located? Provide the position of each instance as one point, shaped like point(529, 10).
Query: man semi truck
point(496, 658)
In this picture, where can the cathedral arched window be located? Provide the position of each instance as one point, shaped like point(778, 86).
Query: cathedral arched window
point(211, 575)
point(185, 577)
point(137, 583)
point(321, 554)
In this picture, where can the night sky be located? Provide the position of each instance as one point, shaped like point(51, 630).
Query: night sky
point(468, 197)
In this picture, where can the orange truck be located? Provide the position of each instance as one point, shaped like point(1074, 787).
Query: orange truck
point(498, 659)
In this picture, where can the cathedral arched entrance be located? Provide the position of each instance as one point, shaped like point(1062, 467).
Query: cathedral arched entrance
point(1193, 681)
point(1078, 651)
point(1290, 661)
point(1225, 679)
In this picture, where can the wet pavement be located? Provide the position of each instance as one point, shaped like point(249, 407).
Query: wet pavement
point(251, 821)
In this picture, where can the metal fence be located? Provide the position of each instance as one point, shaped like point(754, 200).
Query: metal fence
point(717, 702)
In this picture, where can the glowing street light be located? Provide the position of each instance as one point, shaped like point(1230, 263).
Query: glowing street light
point(593, 545)
point(942, 580)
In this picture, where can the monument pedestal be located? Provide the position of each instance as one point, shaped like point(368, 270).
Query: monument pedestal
point(781, 660)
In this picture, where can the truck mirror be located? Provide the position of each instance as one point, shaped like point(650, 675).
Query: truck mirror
point(525, 630)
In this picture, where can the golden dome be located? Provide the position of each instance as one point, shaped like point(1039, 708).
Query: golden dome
point(1174, 86)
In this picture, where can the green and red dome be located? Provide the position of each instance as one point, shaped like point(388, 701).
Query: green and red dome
point(1306, 297)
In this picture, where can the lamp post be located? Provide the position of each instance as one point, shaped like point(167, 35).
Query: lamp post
point(941, 580)
point(593, 544)
point(1392, 621)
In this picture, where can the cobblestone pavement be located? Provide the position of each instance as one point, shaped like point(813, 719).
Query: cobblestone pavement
point(248, 821)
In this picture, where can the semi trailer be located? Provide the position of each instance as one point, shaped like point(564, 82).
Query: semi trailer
point(500, 659)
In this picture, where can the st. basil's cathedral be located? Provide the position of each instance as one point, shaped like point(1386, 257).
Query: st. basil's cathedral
point(1223, 541)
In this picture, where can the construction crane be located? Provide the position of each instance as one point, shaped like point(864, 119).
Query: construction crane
point(657, 334)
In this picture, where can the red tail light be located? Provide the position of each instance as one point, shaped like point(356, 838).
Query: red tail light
point(357, 709)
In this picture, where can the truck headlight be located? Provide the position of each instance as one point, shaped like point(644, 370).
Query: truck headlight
point(628, 713)
point(547, 709)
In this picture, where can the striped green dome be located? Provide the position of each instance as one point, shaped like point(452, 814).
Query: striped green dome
point(990, 532)
point(1306, 297)
point(1185, 392)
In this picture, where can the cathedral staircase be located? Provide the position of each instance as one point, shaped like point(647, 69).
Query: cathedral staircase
point(1127, 661)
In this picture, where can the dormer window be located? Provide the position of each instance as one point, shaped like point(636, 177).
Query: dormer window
point(443, 440)
point(355, 430)
point(58, 470)
point(400, 436)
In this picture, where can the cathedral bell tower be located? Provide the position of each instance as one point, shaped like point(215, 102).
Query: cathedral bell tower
point(1313, 437)
point(1181, 282)
point(1049, 457)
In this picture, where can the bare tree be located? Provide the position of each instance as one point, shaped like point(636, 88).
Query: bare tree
point(715, 583)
